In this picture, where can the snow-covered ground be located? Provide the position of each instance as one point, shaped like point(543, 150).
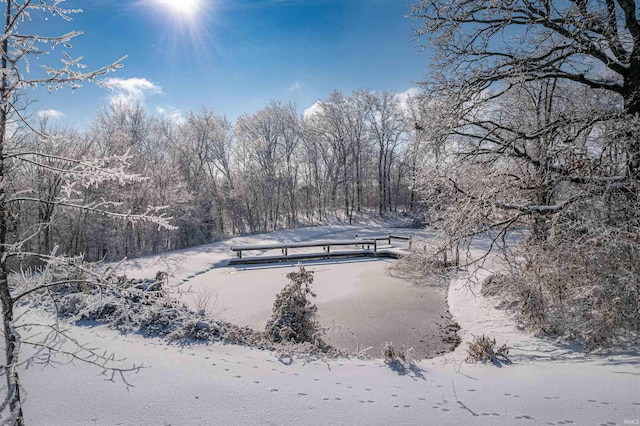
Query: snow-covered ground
point(223, 384)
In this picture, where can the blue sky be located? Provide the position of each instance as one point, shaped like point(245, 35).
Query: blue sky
point(234, 56)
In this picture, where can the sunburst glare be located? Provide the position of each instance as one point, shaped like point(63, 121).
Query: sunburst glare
point(186, 8)
point(184, 25)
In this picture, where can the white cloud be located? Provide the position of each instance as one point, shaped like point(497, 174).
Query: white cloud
point(311, 110)
point(50, 113)
point(130, 90)
point(403, 97)
point(173, 114)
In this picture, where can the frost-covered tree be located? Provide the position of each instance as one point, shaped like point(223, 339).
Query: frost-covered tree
point(267, 147)
point(487, 45)
point(386, 127)
point(202, 147)
point(541, 135)
point(330, 129)
point(70, 176)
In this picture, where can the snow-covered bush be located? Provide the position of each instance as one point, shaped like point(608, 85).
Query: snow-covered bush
point(391, 354)
point(427, 262)
point(517, 295)
point(583, 284)
point(143, 306)
point(294, 315)
point(401, 360)
point(484, 349)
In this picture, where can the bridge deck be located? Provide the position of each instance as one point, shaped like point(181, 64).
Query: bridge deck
point(313, 256)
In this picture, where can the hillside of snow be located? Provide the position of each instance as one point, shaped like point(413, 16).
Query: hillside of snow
point(548, 382)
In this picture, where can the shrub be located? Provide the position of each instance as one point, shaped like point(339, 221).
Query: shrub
point(143, 306)
point(401, 360)
point(581, 286)
point(483, 349)
point(391, 354)
point(427, 262)
point(294, 316)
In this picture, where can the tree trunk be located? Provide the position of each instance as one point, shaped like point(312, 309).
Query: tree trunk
point(632, 95)
point(381, 182)
point(10, 335)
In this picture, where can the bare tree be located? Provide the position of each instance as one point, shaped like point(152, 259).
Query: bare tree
point(330, 128)
point(386, 127)
point(204, 150)
point(542, 97)
point(483, 44)
point(268, 141)
point(71, 174)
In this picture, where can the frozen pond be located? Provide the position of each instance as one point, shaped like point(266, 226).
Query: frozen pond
point(359, 301)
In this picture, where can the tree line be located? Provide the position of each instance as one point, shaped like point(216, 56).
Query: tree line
point(276, 168)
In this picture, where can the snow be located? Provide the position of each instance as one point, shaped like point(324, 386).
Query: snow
point(549, 383)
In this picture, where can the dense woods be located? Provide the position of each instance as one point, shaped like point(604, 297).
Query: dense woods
point(269, 170)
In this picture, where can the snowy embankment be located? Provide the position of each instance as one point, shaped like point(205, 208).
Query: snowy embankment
point(225, 384)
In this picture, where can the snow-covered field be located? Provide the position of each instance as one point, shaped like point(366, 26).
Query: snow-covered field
point(222, 384)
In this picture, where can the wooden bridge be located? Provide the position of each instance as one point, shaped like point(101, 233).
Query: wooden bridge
point(367, 247)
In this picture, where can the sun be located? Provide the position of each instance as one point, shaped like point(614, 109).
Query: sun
point(186, 8)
